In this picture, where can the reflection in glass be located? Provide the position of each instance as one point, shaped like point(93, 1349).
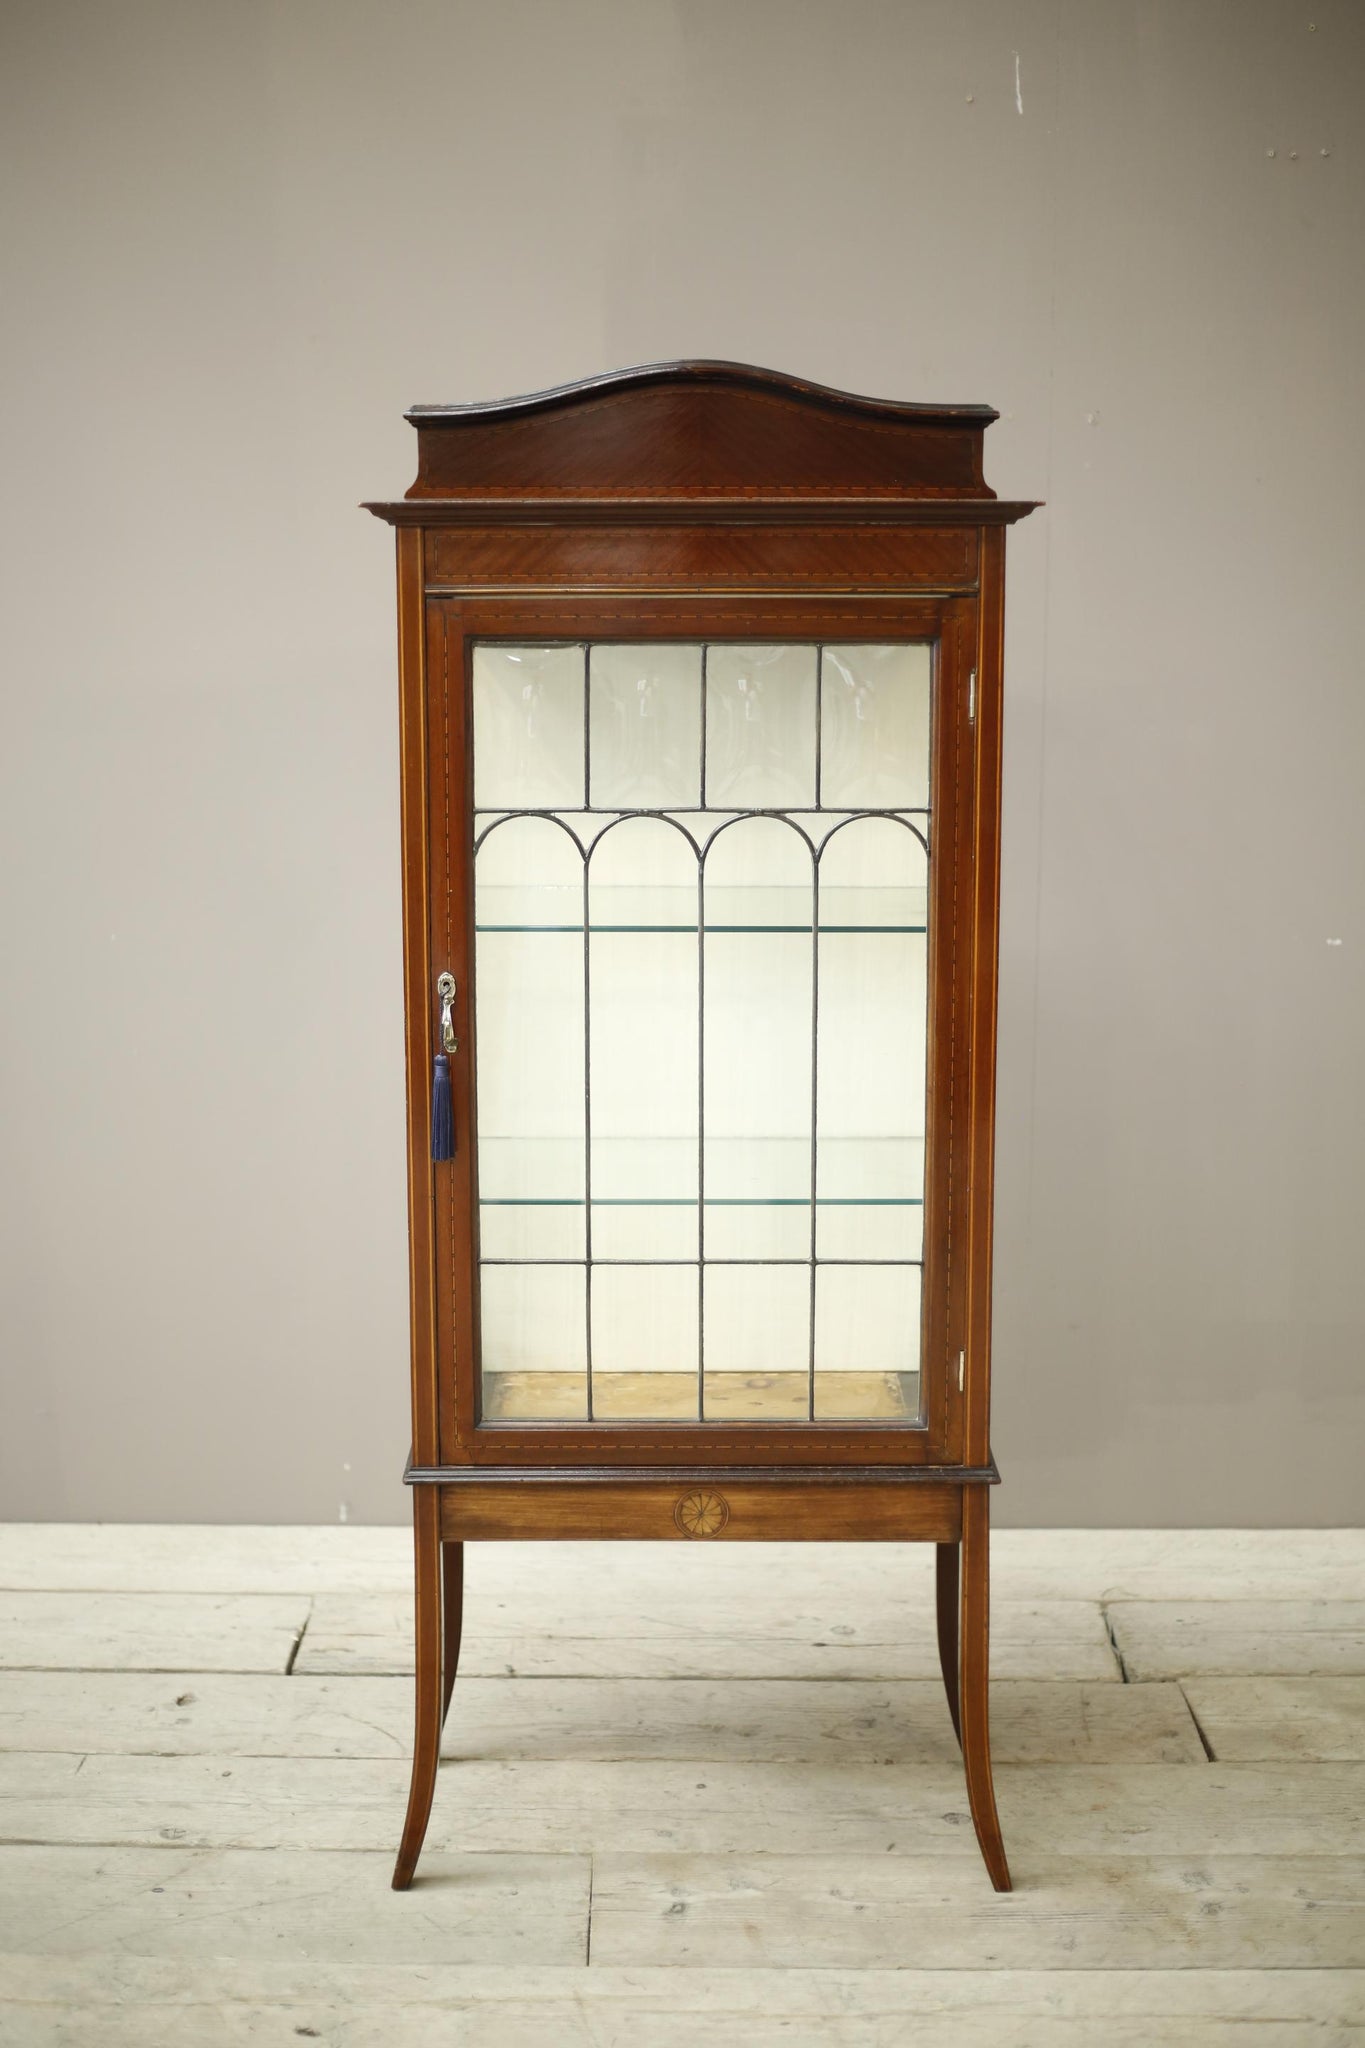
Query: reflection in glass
point(533, 1321)
point(644, 726)
point(735, 1195)
point(643, 1075)
point(757, 1330)
point(760, 727)
point(872, 1073)
point(644, 1342)
point(758, 1073)
point(529, 993)
point(528, 727)
point(874, 727)
point(867, 1342)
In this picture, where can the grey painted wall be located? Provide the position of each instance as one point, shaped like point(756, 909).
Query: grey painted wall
point(243, 238)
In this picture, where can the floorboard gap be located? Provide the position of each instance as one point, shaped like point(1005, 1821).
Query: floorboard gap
point(1209, 1751)
point(1114, 1644)
point(298, 1643)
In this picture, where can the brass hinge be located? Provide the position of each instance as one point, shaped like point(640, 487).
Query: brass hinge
point(961, 1369)
point(971, 697)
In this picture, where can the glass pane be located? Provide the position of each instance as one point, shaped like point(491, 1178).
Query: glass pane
point(645, 726)
point(760, 727)
point(758, 902)
point(528, 727)
point(686, 1137)
point(529, 996)
point(874, 876)
point(644, 1342)
point(757, 1324)
point(873, 990)
point(534, 1343)
point(874, 727)
point(867, 1343)
point(644, 1003)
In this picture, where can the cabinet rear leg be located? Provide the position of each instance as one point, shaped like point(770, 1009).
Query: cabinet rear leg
point(946, 1599)
point(974, 1680)
point(452, 1608)
point(426, 1748)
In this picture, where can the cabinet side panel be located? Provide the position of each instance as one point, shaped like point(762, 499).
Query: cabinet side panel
point(416, 983)
point(985, 927)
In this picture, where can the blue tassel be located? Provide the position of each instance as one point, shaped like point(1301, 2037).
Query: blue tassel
point(442, 1117)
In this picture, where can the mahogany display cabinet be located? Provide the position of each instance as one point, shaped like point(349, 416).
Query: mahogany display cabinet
point(700, 676)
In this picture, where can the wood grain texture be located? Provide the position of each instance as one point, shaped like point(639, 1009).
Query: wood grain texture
point(548, 2007)
point(428, 1692)
point(1267, 1720)
point(597, 1720)
point(1177, 1639)
point(702, 430)
point(1069, 1913)
point(523, 2024)
point(791, 1910)
point(755, 1513)
point(150, 1631)
point(719, 1808)
point(154, 1557)
point(684, 1634)
point(652, 554)
point(973, 1684)
point(509, 1911)
point(1039, 1564)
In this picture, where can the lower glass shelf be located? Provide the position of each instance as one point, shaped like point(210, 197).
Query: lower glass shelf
point(672, 1397)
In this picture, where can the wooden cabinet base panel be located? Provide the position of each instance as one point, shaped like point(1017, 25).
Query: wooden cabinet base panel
point(701, 1509)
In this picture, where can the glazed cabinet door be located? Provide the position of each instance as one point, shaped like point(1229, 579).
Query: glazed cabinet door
point(698, 880)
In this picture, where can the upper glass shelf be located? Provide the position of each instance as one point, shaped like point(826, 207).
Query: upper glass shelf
point(549, 907)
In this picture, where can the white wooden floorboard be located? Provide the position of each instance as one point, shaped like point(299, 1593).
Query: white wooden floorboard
point(1037, 1564)
point(581, 2023)
point(789, 1633)
point(150, 1557)
point(776, 1851)
point(935, 1912)
point(547, 1719)
point(178, 1632)
point(1256, 1638)
point(605, 1997)
point(1179, 1564)
point(721, 1809)
point(1256, 1720)
point(311, 1908)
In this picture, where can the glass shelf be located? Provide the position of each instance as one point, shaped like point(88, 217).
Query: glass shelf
point(509, 907)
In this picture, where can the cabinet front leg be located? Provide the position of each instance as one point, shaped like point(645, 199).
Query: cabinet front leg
point(974, 1681)
point(426, 1748)
point(946, 1599)
point(452, 1605)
